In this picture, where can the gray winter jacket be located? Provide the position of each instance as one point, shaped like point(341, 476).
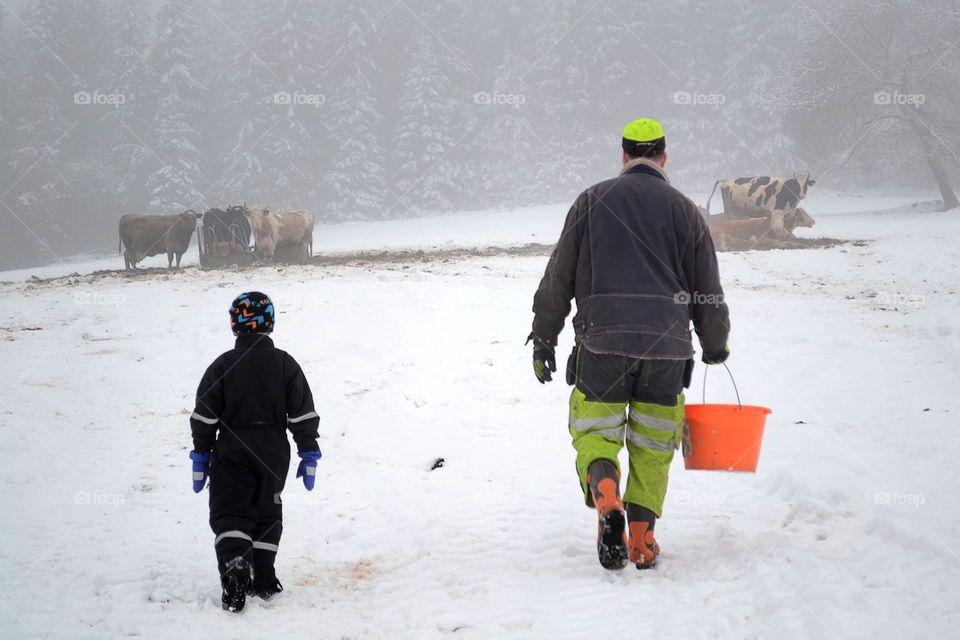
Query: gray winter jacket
point(639, 259)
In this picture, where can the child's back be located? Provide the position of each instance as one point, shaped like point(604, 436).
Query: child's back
point(246, 401)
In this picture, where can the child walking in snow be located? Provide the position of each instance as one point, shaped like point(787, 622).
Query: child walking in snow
point(246, 401)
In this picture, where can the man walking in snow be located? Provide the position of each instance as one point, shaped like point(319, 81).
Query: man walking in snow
point(247, 400)
point(639, 260)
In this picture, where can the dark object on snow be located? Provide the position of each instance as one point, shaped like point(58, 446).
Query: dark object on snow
point(439, 462)
point(224, 238)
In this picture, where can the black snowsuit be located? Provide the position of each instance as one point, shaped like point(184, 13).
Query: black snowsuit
point(246, 400)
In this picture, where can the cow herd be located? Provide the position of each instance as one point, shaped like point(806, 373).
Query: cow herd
point(760, 211)
point(286, 233)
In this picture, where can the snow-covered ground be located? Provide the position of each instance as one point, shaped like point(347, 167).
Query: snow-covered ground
point(849, 529)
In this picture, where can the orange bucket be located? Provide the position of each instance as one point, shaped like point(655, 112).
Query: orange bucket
point(725, 437)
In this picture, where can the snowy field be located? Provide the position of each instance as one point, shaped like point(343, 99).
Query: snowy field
point(471, 229)
point(849, 529)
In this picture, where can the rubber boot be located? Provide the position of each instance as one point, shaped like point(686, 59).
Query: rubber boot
point(265, 583)
point(268, 591)
point(604, 482)
point(236, 581)
point(643, 547)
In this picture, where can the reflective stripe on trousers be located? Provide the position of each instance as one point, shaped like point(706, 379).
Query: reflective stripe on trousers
point(656, 426)
point(232, 534)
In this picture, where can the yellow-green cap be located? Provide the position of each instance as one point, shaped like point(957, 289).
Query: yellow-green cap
point(643, 130)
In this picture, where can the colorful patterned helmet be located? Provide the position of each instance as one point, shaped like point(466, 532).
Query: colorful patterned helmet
point(251, 312)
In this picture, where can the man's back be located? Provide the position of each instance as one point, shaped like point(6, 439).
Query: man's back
point(634, 249)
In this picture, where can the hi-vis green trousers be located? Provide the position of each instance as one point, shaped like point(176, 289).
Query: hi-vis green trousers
point(617, 398)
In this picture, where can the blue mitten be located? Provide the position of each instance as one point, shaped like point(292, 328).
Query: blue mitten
point(308, 468)
point(201, 468)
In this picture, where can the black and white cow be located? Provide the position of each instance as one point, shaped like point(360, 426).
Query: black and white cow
point(762, 197)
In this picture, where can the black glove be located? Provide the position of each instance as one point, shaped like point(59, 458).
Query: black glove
point(544, 359)
point(717, 357)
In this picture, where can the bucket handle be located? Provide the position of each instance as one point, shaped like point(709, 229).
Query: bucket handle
point(739, 404)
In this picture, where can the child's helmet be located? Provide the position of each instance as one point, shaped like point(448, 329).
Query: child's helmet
point(251, 312)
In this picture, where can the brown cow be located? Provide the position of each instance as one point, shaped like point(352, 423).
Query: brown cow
point(733, 235)
point(142, 236)
point(274, 230)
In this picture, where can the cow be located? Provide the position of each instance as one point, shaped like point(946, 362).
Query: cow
point(749, 232)
point(761, 197)
point(274, 230)
point(142, 236)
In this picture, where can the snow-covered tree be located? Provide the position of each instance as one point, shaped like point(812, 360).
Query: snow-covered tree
point(42, 121)
point(180, 179)
point(276, 108)
point(565, 107)
point(5, 102)
point(87, 165)
point(895, 98)
point(508, 145)
point(355, 183)
point(126, 126)
point(428, 173)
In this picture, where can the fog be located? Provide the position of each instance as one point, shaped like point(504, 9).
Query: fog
point(404, 108)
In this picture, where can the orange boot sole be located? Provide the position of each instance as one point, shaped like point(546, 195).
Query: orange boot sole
point(611, 526)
